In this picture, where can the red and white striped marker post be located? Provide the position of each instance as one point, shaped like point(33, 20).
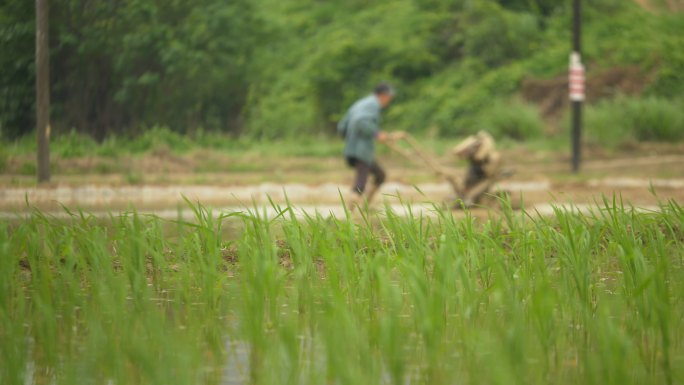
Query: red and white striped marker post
point(576, 78)
point(576, 90)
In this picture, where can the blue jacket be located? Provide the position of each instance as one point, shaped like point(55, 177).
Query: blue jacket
point(360, 126)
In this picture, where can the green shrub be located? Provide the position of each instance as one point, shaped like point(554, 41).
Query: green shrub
point(159, 137)
point(134, 177)
point(24, 144)
point(112, 147)
point(513, 119)
point(656, 119)
point(104, 168)
point(497, 36)
point(286, 112)
point(215, 140)
point(72, 145)
point(620, 120)
point(450, 102)
point(669, 80)
point(28, 168)
point(4, 157)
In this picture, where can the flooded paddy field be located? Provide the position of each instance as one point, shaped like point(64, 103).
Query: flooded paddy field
point(167, 200)
point(403, 294)
point(573, 281)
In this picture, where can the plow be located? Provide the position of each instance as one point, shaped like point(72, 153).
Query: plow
point(477, 187)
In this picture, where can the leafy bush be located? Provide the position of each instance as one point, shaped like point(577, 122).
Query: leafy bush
point(134, 177)
point(28, 168)
point(616, 121)
point(4, 157)
point(454, 103)
point(513, 119)
point(281, 112)
point(112, 147)
point(216, 140)
point(158, 138)
point(497, 36)
point(656, 118)
point(72, 145)
point(670, 71)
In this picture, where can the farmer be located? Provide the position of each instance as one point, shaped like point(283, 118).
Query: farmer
point(484, 162)
point(361, 128)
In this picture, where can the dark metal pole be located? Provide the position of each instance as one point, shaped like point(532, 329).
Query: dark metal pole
point(42, 91)
point(577, 104)
point(576, 135)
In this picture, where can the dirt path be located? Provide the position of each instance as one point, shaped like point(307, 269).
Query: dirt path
point(637, 191)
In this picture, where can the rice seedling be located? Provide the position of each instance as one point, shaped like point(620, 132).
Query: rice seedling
point(516, 298)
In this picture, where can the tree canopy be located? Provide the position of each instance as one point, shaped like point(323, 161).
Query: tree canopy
point(274, 68)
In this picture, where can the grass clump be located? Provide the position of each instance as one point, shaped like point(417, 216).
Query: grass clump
point(564, 299)
point(72, 145)
point(514, 119)
point(159, 138)
point(614, 122)
point(4, 157)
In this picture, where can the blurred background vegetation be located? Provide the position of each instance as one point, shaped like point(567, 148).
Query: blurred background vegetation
point(288, 69)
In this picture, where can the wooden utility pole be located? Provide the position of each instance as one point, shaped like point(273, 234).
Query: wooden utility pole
point(43, 90)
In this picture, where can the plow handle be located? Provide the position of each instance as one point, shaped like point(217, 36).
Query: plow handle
point(427, 159)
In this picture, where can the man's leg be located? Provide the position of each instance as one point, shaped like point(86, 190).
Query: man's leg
point(360, 179)
point(476, 192)
point(379, 177)
point(471, 187)
point(362, 171)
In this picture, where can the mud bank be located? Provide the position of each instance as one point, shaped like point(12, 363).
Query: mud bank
point(168, 201)
point(155, 197)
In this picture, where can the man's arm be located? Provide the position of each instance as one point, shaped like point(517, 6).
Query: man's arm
point(466, 148)
point(367, 126)
point(343, 126)
point(486, 146)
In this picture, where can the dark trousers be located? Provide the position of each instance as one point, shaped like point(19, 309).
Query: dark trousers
point(476, 174)
point(477, 183)
point(362, 171)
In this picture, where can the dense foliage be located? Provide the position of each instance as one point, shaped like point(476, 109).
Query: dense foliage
point(274, 68)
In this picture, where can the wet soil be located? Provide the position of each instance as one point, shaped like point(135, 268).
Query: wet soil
point(644, 175)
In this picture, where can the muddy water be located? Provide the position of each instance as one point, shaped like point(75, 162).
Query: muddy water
point(164, 197)
point(324, 199)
